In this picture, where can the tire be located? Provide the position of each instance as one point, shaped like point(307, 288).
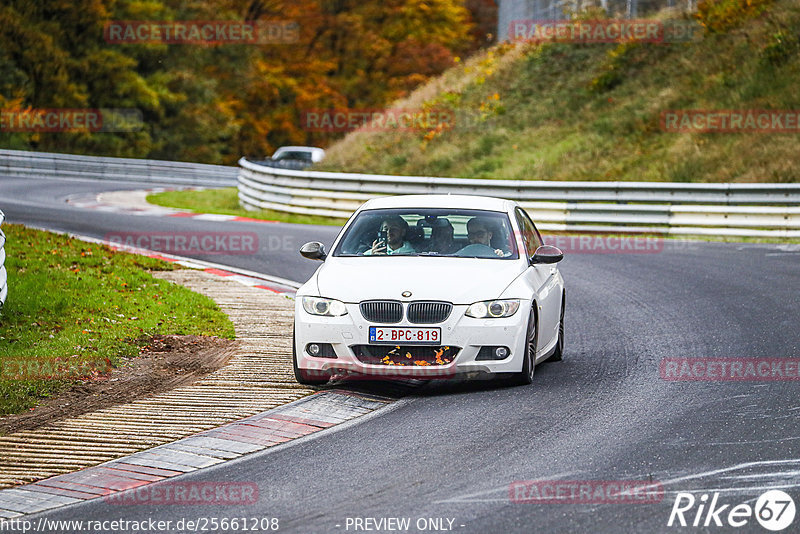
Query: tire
point(558, 354)
point(304, 376)
point(525, 377)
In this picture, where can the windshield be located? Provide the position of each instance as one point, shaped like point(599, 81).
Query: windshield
point(429, 232)
point(293, 154)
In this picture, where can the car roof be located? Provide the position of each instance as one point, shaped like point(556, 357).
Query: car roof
point(299, 149)
point(440, 201)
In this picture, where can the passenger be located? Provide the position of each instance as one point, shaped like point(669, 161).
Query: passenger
point(480, 239)
point(396, 229)
point(442, 240)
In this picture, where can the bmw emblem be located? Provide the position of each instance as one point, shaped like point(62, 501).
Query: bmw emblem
point(406, 294)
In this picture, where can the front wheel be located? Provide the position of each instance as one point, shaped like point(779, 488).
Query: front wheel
point(525, 377)
point(306, 377)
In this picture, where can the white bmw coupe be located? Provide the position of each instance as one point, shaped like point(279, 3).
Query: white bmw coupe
point(431, 286)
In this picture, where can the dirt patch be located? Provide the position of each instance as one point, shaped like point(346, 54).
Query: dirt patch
point(166, 363)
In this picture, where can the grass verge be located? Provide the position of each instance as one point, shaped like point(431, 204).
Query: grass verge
point(226, 202)
point(572, 111)
point(76, 309)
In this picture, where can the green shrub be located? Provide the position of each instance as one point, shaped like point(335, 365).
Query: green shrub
point(613, 70)
point(781, 47)
point(719, 16)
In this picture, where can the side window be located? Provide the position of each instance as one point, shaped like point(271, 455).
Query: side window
point(536, 235)
point(530, 237)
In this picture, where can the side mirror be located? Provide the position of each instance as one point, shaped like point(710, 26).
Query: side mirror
point(313, 251)
point(547, 254)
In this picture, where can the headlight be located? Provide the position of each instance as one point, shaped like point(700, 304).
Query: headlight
point(493, 309)
point(321, 306)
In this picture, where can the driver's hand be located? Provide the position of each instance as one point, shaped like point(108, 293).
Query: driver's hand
point(378, 247)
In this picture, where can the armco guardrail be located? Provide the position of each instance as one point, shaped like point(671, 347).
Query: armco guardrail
point(21, 163)
point(754, 210)
point(3, 275)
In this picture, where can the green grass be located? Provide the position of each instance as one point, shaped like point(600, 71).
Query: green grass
point(226, 201)
point(561, 111)
point(76, 309)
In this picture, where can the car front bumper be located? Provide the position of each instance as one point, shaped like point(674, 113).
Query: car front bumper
point(345, 332)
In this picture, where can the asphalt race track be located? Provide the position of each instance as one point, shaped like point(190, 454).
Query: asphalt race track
point(41, 203)
point(452, 450)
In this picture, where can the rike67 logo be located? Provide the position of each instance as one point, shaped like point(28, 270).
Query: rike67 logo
point(774, 510)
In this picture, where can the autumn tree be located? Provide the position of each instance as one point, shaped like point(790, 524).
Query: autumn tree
point(214, 103)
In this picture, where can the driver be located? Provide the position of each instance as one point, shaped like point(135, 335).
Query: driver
point(396, 229)
point(480, 239)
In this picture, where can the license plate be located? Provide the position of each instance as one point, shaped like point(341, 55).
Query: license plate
point(383, 334)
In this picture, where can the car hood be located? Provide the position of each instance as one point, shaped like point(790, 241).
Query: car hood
point(456, 280)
